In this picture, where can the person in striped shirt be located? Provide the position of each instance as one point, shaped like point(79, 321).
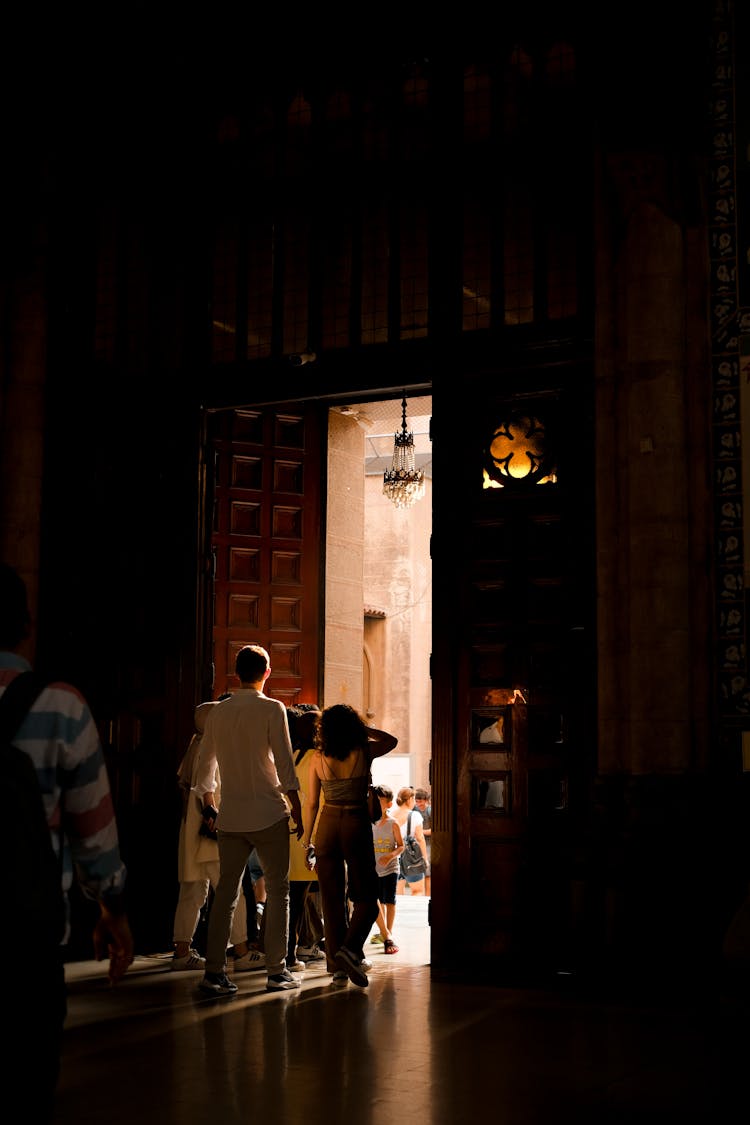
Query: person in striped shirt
point(61, 738)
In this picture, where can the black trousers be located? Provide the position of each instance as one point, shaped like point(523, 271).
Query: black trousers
point(35, 1007)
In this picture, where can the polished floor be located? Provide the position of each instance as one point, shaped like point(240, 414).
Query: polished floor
point(406, 1049)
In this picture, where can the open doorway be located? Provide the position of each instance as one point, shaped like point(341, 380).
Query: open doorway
point(310, 559)
point(391, 552)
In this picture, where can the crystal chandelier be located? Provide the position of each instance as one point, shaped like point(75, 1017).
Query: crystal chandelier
point(402, 483)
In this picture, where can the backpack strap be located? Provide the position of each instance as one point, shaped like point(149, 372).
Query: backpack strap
point(16, 702)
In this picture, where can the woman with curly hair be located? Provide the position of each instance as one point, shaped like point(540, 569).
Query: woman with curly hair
point(339, 840)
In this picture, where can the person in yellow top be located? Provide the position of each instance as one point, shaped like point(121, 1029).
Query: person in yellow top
point(302, 884)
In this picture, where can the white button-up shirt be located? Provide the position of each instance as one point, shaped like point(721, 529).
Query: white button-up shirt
point(247, 735)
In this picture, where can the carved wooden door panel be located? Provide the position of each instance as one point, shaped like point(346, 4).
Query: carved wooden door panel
point(266, 546)
point(510, 678)
point(512, 682)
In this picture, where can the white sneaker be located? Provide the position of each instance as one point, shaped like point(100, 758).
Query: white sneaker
point(310, 953)
point(365, 964)
point(190, 963)
point(282, 981)
point(295, 966)
point(352, 966)
point(249, 961)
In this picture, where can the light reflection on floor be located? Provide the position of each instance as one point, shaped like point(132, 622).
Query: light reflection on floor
point(154, 1049)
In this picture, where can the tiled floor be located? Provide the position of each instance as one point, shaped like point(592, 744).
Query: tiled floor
point(406, 1049)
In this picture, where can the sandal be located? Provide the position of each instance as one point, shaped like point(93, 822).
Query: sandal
point(389, 946)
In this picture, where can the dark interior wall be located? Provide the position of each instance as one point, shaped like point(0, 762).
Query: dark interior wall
point(120, 507)
point(120, 510)
point(118, 616)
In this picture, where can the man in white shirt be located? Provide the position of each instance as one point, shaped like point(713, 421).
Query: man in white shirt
point(247, 735)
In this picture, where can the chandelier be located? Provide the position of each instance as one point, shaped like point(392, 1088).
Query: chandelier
point(403, 483)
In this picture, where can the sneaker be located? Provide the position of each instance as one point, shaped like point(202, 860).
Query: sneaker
point(346, 960)
point(218, 984)
point(310, 953)
point(295, 966)
point(365, 964)
point(282, 981)
point(339, 977)
point(389, 946)
point(249, 961)
point(189, 963)
point(377, 939)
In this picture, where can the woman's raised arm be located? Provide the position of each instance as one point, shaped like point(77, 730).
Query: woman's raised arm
point(379, 742)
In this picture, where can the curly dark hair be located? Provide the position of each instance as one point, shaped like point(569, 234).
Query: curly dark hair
point(340, 730)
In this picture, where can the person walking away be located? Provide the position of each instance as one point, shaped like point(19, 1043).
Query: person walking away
point(388, 845)
point(248, 737)
point(405, 806)
point(423, 805)
point(198, 866)
point(61, 738)
point(339, 840)
point(302, 719)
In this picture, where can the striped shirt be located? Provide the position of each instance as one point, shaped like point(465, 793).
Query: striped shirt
point(60, 736)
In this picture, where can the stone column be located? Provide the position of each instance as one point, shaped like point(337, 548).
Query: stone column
point(344, 562)
point(648, 859)
point(653, 592)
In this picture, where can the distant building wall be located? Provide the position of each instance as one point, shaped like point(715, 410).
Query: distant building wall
point(343, 569)
point(398, 580)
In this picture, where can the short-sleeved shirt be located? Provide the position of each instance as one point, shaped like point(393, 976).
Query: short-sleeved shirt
point(61, 737)
point(384, 841)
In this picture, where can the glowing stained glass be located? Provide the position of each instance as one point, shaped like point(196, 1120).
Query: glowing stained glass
point(517, 452)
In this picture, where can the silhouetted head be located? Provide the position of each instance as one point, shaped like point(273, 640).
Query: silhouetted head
point(385, 794)
point(15, 620)
point(252, 664)
point(303, 718)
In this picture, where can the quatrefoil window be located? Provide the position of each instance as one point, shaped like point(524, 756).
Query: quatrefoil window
point(518, 454)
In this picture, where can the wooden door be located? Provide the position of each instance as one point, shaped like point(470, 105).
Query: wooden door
point(267, 547)
point(511, 675)
point(512, 683)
